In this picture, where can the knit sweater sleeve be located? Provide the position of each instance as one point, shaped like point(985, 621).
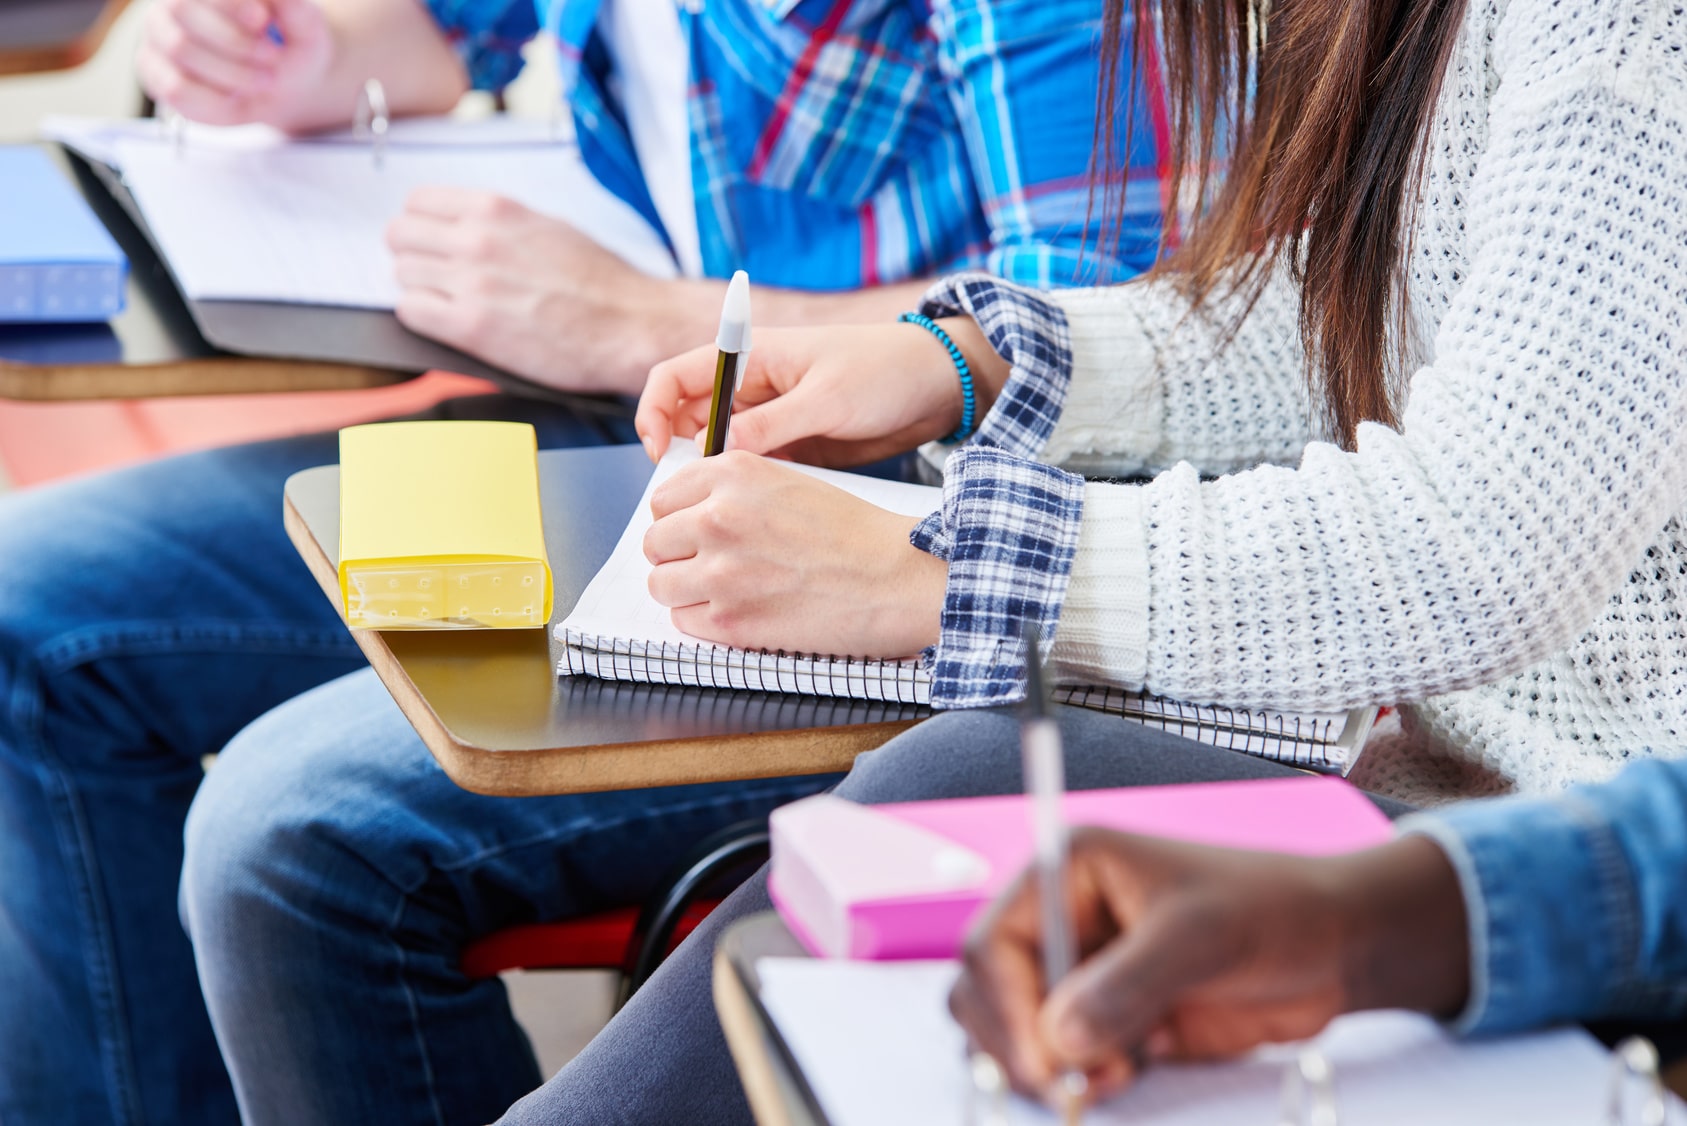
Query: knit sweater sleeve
point(1538, 454)
point(1128, 380)
point(1154, 382)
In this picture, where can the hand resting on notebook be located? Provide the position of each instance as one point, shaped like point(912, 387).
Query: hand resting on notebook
point(528, 293)
point(1193, 952)
point(836, 396)
point(754, 554)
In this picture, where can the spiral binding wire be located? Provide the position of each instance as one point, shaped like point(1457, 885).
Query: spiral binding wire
point(1301, 741)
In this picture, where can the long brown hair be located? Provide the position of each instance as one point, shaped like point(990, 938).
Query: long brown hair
point(1329, 142)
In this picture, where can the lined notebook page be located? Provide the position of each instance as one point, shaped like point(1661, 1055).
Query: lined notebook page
point(878, 1047)
point(618, 632)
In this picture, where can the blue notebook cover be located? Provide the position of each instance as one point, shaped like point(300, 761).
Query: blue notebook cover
point(57, 263)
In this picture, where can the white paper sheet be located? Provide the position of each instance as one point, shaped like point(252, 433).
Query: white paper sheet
point(878, 1047)
point(617, 603)
point(245, 214)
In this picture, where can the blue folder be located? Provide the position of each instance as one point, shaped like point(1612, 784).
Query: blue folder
point(57, 263)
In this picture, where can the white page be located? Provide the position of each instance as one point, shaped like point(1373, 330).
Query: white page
point(305, 222)
point(617, 603)
point(879, 1048)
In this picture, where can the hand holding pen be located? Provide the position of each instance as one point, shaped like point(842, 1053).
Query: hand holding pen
point(839, 395)
point(1190, 952)
point(748, 552)
point(229, 62)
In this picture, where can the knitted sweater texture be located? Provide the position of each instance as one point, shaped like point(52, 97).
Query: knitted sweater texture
point(1510, 565)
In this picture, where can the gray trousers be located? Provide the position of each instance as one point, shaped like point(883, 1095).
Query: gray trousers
point(663, 1059)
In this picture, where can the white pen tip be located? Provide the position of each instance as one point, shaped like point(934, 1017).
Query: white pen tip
point(734, 335)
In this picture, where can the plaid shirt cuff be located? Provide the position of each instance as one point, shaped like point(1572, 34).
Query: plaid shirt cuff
point(1009, 530)
point(1029, 333)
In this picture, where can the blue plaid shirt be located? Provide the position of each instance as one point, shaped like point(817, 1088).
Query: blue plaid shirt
point(838, 144)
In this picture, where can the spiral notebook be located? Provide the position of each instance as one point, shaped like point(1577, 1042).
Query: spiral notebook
point(618, 632)
point(874, 1045)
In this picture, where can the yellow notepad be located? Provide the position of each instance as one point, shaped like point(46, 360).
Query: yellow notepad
point(440, 525)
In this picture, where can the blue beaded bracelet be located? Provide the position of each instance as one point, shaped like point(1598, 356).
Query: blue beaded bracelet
point(969, 397)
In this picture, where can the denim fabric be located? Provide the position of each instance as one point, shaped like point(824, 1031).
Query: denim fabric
point(1577, 905)
point(146, 616)
point(334, 875)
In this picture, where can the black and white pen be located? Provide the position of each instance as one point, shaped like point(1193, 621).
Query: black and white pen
point(733, 340)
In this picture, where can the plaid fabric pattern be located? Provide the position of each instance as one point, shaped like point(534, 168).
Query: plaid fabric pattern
point(1009, 525)
point(844, 143)
point(1009, 529)
point(1028, 332)
point(488, 37)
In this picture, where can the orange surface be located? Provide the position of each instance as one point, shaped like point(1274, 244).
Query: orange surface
point(44, 441)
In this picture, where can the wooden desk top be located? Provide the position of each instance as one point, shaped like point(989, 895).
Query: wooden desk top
point(43, 35)
point(153, 347)
point(489, 705)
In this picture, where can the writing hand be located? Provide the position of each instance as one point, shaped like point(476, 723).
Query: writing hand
point(845, 395)
point(525, 292)
point(217, 61)
point(755, 554)
point(1192, 952)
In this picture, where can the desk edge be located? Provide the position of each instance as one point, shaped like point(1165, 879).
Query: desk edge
point(211, 375)
point(593, 769)
point(47, 58)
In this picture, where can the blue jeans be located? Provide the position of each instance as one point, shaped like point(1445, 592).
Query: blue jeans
point(146, 616)
point(333, 876)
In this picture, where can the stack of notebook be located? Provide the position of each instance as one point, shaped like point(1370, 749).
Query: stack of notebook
point(57, 263)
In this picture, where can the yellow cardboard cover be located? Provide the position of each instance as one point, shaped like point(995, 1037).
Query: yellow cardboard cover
point(440, 525)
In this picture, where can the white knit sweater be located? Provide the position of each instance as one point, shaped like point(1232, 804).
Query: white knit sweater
point(1511, 564)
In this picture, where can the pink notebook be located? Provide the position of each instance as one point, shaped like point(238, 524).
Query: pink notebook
point(904, 881)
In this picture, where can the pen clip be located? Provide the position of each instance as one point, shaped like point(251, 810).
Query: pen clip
point(372, 119)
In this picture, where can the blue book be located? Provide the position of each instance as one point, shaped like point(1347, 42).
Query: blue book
point(57, 262)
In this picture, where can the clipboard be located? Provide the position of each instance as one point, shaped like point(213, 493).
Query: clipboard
point(272, 330)
point(780, 1094)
